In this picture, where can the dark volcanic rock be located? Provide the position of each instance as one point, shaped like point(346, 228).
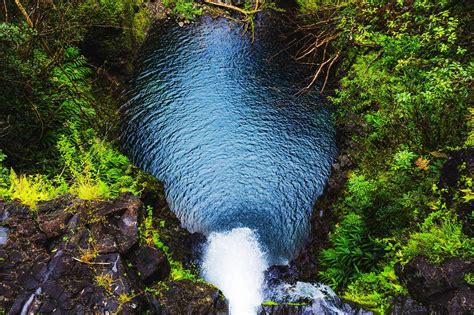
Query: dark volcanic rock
point(406, 305)
point(460, 164)
point(441, 288)
point(283, 309)
point(151, 264)
point(54, 215)
point(82, 257)
point(188, 297)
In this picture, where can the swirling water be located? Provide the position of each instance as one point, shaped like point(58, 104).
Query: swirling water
point(243, 157)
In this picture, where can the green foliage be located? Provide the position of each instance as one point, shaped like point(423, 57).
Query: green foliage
point(375, 290)
point(187, 9)
point(440, 237)
point(94, 168)
point(4, 178)
point(47, 82)
point(394, 198)
point(412, 86)
point(308, 6)
point(41, 93)
point(403, 160)
point(360, 192)
point(352, 252)
point(91, 169)
point(149, 235)
point(30, 189)
point(469, 278)
point(405, 83)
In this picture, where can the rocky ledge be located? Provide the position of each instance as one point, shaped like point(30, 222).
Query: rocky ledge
point(72, 256)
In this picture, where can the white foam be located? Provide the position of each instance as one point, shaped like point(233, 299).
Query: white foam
point(235, 263)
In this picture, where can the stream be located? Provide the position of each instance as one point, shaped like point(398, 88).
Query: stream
point(243, 156)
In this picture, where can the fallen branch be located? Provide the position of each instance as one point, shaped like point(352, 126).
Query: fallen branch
point(233, 7)
point(25, 14)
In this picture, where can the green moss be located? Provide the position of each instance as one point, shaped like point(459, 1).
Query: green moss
point(141, 23)
point(149, 234)
point(273, 303)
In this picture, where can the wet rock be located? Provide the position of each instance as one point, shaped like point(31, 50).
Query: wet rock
point(83, 257)
point(151, 264)
point(54, 215)
point(284, 309)
point(441, 288)
point(191, 297)
point(120, 231)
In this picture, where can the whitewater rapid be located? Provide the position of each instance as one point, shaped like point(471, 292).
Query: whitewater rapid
point(235, 262)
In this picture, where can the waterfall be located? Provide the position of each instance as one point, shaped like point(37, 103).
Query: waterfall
point(235, 262)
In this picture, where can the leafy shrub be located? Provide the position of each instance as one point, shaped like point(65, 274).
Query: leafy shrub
point(406, 81)
point(360, 193)
point(352, 252)
point(403, 160)
point(410, 77)
point(94, 169)
point(188, 9)
point(441, 237)
point(30, 189)
point(395, 198)
point(4, 178)
point(375, 290)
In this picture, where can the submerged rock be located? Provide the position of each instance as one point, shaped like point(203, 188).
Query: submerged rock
point(303, 298)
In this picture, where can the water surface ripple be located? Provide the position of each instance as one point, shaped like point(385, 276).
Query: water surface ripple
point(215, 117)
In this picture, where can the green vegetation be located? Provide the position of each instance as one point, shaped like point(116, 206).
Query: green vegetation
point(54, 124)
point(187, 9)
point(404, 80)
point(91, 169)
point(149, 234)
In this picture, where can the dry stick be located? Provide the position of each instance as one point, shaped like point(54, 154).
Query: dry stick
point(91, 263)
point(39, 118)
point(23, 11)
point(232, 7)
point(328, 70)
point(6, 10)
point(315, 77)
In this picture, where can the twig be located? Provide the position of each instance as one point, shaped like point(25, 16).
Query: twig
point(6, 10)
point(233, 7)
point(91, 263)
point(25, 14)
point(328, 70)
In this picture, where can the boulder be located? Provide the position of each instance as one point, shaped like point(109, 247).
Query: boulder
point(441, 288)
point(192, 297)
point(151, 264)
